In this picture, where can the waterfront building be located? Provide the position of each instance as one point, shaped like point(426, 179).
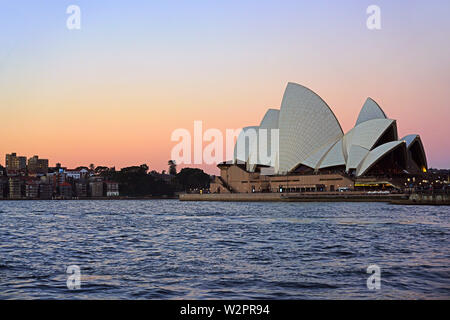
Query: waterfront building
point(31, 189)
point(65, 190)
point(45, 191)
point(74, 174)
point(15, 188)
point(60, 177)
point(81, 189)
point(77, 174)
point(15, 164)
point(235, 178)
point(3, 189)
point(57, 168)
point(112, 189)
point(314, 154)
point(37, 166)
point(96, 187)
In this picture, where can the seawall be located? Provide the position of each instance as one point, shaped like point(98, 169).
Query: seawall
point(425, 199)
point(294, 197)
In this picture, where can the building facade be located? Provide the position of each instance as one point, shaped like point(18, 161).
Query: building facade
point(236, 179)
point(37, 166)
point(81, 189)
point(112, 189)
point(301, 147)
point(45, 191)
point(31, 189)
point(15, 164)
point(96, 187)
point(15, 188)
point(3, 187)
point(65, 190)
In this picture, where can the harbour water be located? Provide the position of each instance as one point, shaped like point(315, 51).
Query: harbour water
point(167, 249)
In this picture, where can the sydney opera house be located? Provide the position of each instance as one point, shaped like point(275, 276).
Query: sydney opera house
point(309, 152)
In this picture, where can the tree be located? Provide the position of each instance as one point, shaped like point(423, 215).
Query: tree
point(192, 178)
point(92, 167)
point(135, 182)
point(101, 169)
point(144, 167)
point(172, 167)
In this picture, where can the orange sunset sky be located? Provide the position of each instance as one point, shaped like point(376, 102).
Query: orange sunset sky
point(112, 92)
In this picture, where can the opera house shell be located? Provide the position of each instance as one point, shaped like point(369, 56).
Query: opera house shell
point(311, 141)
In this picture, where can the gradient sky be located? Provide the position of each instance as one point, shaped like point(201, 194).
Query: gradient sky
point(113, 92)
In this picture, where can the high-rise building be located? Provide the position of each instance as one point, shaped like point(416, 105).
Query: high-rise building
point(2, 187)
point(31, 189)
point(65, 190)
point(45, 191)
point(37, 166)
point(81, 189)
point(15, 163)
point(15, 188)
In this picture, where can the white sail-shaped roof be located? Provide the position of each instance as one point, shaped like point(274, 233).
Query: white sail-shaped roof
point(268, 135)
point(252, 152)
point(307, 133)
point(270, 119)
point(347, 143)
point(376, 154)
point(356, 156)
point(361, 139)
point(370, 110)
point(306, 123)
point(313, 160)
point(409, 139)
point(367, 133)
point(334, 157)
point(418, 154)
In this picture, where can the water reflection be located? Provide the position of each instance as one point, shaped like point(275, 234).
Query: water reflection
point(185, 250)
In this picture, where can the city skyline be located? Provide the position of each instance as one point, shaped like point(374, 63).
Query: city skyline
point(112, 92)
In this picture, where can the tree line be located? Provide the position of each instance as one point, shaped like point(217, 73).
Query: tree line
point(138, 181)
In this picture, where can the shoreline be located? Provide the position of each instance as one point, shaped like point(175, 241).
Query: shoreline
point(396, 199)
point(292, 197)
point(96, 198)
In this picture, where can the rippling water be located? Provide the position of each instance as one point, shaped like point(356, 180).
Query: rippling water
point(212, 250)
